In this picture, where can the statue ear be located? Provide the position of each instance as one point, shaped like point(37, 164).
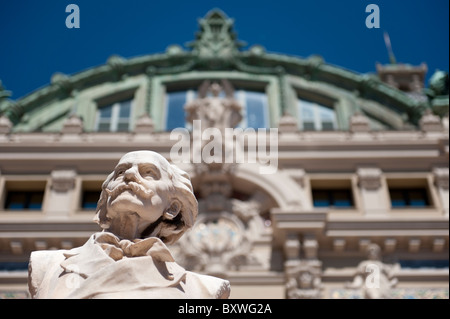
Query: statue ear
point(173, 210)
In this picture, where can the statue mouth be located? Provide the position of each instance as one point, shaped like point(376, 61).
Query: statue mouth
point(134, 188)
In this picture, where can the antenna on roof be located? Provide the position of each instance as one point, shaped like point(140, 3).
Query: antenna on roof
point(387, 41)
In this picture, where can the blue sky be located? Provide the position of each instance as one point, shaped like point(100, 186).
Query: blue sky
point(35, 42)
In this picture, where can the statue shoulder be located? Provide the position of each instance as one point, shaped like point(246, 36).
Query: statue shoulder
point(40, 262)
point(43, 257)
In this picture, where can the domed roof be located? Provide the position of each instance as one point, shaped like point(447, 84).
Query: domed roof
point(215, 50)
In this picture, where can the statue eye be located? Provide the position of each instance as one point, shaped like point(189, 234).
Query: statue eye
point(120, 172)
point(149, 172)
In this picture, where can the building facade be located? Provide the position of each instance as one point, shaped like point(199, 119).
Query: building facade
point(360, 178)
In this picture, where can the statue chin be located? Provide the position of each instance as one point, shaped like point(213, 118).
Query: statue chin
point(124, 212)
point(130, 215)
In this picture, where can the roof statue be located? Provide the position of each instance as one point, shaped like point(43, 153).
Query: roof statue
point(213, 110)
point(145, 203)
point(437, 92)
point(438, 83)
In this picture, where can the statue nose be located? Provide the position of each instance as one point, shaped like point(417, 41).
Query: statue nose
point(130, 174)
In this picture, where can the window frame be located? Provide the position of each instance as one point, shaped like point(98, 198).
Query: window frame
point(317, 119)
point(303, 89)
point(406, 196)
point(240, 96)
point(318, 181)
point(115, 116)
point(190, 95)
point(89, 184)
point(331, 197)
point(412, 181)
point(28, 201)
point(161, 84)
point(18, 183)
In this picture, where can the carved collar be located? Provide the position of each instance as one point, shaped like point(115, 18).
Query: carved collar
point(108, 264)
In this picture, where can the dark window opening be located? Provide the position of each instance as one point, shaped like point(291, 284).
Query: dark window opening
point(335, 198)
point(409, 197)
point(90, 199)
point(13, 266)
point(424, 263)
point(24, 200)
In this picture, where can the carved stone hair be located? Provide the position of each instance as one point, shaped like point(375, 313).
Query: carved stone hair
point(168, 230)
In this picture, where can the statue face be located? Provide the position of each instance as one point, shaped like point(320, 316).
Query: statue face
point(216, 89)
point(374, 252)
point(138, 193)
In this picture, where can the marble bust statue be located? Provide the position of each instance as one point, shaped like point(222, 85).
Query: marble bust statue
point(145, 203)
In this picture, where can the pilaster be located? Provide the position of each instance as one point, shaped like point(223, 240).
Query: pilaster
point(60, 194)
point(441, 181)
point(374, 201)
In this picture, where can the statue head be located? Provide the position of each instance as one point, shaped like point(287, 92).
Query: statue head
point(146, 196)
point(373, 252)
point(215, 89)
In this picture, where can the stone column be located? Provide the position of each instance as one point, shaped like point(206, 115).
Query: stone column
point(60, 195)
point(441, 182)
point(292, 248)
point(299, 176)
point(374, 200)
point(292, 260)
point(303, 276)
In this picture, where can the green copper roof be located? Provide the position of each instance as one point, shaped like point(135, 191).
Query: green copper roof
point(215, 49)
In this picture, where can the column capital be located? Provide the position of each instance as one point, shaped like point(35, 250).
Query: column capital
point(63, 180)
point(369, 177)
point(441, 177)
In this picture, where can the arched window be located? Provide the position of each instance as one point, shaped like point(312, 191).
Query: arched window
point(175, 114)
point(315, 117)
point(255, 110)
point(114, 117)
